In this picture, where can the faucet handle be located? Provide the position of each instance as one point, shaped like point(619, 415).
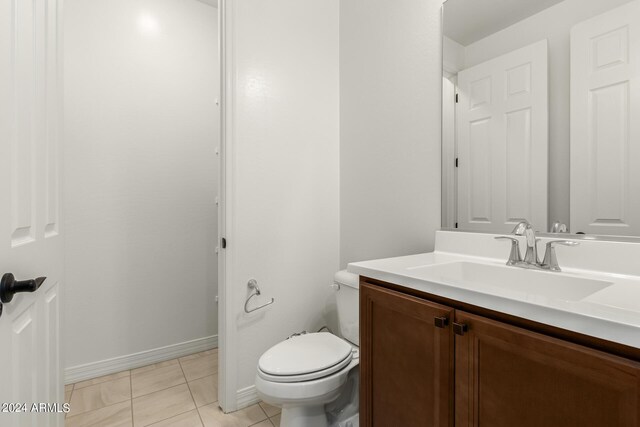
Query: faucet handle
point(550, 261)
point(515, 256)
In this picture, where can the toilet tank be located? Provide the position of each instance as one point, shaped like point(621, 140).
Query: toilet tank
point(347, 288)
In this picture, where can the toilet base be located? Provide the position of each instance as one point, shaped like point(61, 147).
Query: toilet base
point(304, 416)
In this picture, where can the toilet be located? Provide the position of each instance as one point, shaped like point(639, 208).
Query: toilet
point(314, 377)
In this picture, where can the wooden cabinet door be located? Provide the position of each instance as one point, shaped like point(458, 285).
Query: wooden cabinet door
point(507, 377)
point(406, 361)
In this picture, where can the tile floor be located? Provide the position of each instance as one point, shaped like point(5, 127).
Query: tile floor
point(177, 393)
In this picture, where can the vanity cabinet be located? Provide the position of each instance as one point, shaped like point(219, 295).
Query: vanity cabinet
point(508, 376)
point(406, 361)
point(505, 375)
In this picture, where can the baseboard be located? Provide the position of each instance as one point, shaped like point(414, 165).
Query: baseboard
point(136, 360)
point(247, 396)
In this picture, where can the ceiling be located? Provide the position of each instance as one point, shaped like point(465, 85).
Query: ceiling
point(467, 21)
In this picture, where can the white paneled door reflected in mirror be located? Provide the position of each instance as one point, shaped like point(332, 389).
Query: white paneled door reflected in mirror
point(539, 100)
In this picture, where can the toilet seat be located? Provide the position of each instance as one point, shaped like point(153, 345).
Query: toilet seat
point(305, 358)
point(308, 376)
point(323, 389)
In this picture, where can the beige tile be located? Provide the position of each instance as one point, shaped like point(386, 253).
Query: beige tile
point(195, 366)
point(213, 352)
point(156, 377)
point(118, 415)
point(190, 357)
point(68, 388)
point(205, 390)
point(269, 409)
point(99, 380)
point(188, 419)
point(212, 416)
point(67, 396)
point(100, 395)
point(161, 405)
point(276, 420)
point(154, 366)
point(265, 423)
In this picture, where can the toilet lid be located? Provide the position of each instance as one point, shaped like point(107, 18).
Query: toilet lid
point(307, 377)
point(305, 354)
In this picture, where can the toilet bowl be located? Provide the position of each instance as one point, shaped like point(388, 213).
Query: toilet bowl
point(305, 373)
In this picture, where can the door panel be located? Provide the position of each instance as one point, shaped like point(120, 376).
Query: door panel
point(52, 358)
point(406, 372)
point(502, 130)
point(448, 153)
point(605, 97)
point(506, 376)
point(31, 242)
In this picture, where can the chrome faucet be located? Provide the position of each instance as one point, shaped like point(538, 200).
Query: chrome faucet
point(531, 259)
point(525, 229)
point(558, 227)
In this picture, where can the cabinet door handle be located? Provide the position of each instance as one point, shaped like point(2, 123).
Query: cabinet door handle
point(441, 322)
point(460, 328)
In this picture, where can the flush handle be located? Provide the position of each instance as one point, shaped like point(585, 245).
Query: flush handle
point(460, 328)
point(441, 322)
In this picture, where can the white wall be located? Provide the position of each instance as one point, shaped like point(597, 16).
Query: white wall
point(141, 127)
point(554, 24)
point(390, 120)
point(283, 178)
point(452, 56)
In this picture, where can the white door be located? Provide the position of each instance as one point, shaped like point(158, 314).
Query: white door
point(30, 237)
point(605, 125)
point(503, 140)
point(448, 153)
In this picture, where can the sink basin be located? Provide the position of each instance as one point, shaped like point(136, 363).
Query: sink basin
point(510, 281)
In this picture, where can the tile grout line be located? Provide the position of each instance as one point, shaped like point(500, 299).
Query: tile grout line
point(265, 414)
point(146, 394)
point(193, 358)
point(165, 419)
point(157, 391)
point(190, 392)
point(73, 387)
point(199, 378)
point(101, 382)
point(177, 359)
point(131, 388)
point(161, 389)
point(265, 411)
point(97, 409)
point(174, 415)
point(178, 385)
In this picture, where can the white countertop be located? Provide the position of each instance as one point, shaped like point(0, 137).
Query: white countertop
point(612, 313)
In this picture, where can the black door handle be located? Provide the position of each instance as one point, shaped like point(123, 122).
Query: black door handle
point(9, 286)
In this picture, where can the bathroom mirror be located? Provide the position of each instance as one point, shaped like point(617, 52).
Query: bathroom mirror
point(541, 101)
